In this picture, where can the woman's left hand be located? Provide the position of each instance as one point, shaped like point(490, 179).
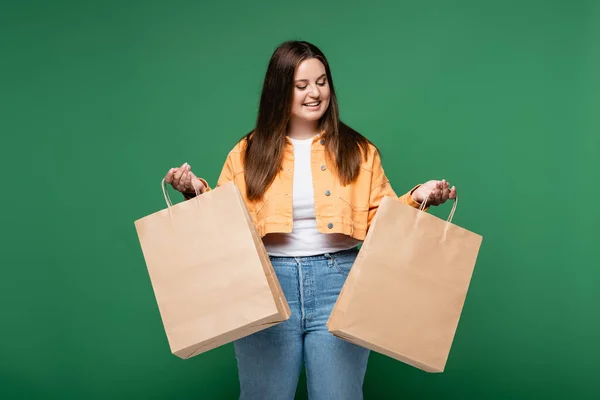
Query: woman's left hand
point(436, 192)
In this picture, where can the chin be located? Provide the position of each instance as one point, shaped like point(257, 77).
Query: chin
point(312, 117)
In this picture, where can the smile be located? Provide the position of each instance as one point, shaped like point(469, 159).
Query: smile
point(313, 104)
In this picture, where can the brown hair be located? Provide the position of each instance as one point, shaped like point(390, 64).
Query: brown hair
point(265, 144)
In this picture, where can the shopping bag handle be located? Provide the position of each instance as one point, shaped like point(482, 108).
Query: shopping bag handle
point(166, 193)
point(423, 205)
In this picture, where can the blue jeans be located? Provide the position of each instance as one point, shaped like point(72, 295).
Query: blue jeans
point(270, 361)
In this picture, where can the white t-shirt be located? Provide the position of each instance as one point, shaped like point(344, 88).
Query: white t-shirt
point(305, 239)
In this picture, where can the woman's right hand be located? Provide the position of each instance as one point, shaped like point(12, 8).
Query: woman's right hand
point(183, 180)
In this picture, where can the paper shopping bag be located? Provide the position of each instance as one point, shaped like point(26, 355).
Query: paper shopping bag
point(405, 292)
point(212, 278)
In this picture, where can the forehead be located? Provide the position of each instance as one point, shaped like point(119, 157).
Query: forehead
point(309, 69)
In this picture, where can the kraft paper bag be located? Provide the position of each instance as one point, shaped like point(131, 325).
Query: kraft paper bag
point(404, 295)
point(211, 275)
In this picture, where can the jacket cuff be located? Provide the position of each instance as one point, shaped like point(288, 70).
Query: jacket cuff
point(207, 188)
point(411, 201)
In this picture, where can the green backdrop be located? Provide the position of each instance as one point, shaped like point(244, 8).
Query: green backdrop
point(99, 99)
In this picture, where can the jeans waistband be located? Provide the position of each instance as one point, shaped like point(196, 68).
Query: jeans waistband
point(316, 257)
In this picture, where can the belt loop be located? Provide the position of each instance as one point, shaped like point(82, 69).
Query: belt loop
point(329, 258)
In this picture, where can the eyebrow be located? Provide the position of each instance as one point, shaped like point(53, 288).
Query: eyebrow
point(306, 80)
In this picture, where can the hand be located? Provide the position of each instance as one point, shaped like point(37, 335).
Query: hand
point(183, 180)
point(435, 192)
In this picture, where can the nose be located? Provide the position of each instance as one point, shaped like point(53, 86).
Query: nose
point(314, 92)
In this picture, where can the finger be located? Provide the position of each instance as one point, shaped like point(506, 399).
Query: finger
point(441, 189)
point(447, 186)
point(441, 192)
point(183, 180)
point(433, 196)
point(188, 180)
point(453, 192)
point(445, 193)
point(439, 197)
point(178, 175)
point(169, 176)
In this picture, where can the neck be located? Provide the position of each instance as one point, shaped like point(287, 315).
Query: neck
point(299, 129)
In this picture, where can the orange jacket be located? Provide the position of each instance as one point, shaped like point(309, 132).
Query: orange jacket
point(338, 209)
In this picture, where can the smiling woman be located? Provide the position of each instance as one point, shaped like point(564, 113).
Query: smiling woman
point(312, 185)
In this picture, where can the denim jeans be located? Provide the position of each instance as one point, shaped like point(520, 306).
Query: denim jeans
point(270, 361)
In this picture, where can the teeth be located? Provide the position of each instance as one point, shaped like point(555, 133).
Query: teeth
point(313, 104)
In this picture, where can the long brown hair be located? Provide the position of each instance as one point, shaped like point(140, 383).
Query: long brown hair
point(266, 143)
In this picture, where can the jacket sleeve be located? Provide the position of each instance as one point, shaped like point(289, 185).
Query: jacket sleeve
point(381, 187)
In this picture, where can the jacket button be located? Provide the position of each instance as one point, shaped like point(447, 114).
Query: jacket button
point(322, 141)
point(323, 167)
point(327, 193)
point(330, 225)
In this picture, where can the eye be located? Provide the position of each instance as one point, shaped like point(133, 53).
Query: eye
point(301, 87)
point(322, 83)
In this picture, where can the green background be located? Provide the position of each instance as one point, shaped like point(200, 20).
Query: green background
point(99, 99)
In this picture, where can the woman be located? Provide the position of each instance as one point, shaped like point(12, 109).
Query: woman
point(312, 186)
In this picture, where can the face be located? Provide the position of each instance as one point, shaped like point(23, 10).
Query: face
point(311, 91)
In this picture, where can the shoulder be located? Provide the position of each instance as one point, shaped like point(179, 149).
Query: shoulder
point(235, 157)
point(239, 148)
point(371, 156)
point(372, 151)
